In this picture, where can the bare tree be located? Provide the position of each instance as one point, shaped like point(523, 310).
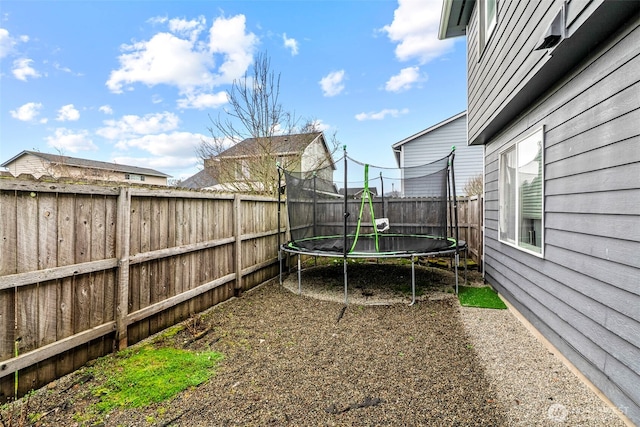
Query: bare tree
point(255, 113)
point(473, 187)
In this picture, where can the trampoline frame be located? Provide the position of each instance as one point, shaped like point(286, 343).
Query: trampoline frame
point(455, 247)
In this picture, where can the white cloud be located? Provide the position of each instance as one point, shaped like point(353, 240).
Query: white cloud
point(333, 83)
point(175, 144)
point(131, 125)
point(203, 100)
point(188, 28)
point(22, 69)
point(106, 109)
point(6, 43)
point(229, 38)
point(290, 43)
point(164, 59)
point(27, 112)
point(68, 113)
point(180, 59)
point(67, 140)
point(405, 79)
point(381, 114)
point(415, 29)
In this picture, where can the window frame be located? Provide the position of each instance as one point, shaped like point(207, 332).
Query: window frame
point(516, 215)
point(486, 29)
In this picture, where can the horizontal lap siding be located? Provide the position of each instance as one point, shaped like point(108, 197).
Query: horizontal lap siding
point(508, 61)
point(437, 144)
point(584, 295)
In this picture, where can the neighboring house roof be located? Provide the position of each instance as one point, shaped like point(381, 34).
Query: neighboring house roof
point(201, 179)
point(85, 163)
point(398, 144)
point(280, 145)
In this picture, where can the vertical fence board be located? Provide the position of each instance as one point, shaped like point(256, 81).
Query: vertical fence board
point(66, 250)
point(47, 291)
point(8, 261)
point(27, 296)
point(97, 281)
point(181, 312)
point(134, 270)
point(82, 283)
point(123, 251)
point(156, 283)
point(171, 262)
point(109, 309)
point(144, 268)
point(8, 265)
point(237, 232)
point(191, 270)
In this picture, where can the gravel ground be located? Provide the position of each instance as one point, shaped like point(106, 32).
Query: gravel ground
point(305, 359)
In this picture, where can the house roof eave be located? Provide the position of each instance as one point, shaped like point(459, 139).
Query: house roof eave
point(454, 18)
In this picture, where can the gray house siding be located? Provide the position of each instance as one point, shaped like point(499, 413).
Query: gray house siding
point(507, 58)
point(437, 144)
point(583, 294)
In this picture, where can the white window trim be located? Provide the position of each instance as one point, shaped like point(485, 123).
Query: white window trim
point(542, 225)
point(485, 30)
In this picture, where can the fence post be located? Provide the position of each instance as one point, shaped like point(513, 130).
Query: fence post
point(237, 231)
point(122, 251)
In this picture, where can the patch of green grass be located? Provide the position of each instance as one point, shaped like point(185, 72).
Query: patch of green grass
point(483, 297)
point(143, 375)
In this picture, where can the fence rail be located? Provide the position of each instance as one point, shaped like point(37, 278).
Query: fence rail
point(87, 269)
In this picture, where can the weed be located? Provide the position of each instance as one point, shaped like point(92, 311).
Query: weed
point(140, 376)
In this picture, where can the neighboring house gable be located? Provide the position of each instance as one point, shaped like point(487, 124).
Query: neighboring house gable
point(556, 102)
point(251, 164)
point(436, 142)
point(39, 164)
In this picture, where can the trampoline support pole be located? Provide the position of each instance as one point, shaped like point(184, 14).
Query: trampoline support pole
point(279, 231)
point(299, 275)
point(346, 215)
point(346, 295)
point(413, 280)
point(457, 261)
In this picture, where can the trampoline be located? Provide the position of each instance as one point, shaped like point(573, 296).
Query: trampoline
point(374, 212)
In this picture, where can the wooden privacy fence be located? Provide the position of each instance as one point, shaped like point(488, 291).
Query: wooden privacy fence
point(87, 269)
point(470, 223)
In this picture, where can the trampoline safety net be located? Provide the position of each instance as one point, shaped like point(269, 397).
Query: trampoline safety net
point(372, 210)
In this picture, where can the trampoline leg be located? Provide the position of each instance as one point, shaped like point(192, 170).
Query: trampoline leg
point(280, 265)
point(346, 297)
point(413, 281)
point(457, 258)
point(299, 276)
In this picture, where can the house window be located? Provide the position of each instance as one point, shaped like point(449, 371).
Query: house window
point(133, 177)
point(488, 11)
point(521, 193)
point(242, 170)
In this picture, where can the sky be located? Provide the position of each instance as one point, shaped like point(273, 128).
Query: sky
point(136, 82)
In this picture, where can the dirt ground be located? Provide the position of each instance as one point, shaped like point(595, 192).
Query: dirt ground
point(292, 359)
